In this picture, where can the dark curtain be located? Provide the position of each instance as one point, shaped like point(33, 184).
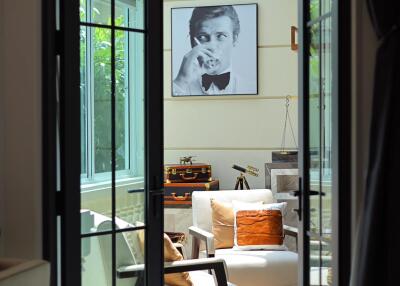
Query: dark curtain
point(378, 253)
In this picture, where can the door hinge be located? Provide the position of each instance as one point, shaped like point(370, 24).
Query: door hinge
point(59, 42)
point(59, 203)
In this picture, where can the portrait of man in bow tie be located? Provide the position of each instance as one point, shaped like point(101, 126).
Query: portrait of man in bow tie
point(212, 66)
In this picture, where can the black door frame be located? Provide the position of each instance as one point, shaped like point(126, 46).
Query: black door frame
point(341, 164)
point(66, 202)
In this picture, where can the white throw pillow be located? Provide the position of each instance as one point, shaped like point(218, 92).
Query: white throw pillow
point(241, 206)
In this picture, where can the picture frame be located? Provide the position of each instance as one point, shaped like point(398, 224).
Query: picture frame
point(272, 166)
point(214, 50)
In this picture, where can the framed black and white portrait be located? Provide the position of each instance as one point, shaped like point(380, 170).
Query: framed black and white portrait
point(214, 50)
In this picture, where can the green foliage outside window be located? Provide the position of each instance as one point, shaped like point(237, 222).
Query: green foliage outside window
point(100, 71)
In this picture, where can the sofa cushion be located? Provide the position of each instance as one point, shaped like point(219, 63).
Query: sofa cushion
point(202, 278)
point(259, 267)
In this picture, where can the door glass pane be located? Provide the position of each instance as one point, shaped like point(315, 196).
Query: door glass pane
point(314, 128)
point(100, 12)
point(96, 260)
point(130, 251)
point(326, 156)
point(101, 63)
point(320, 137)
point(326, 78)
point(129, 86)
point(104, 58)
point(129, 13)
point(315, 8)
point(82, 10)
point(96, 69)
point(84, 98)
point(326, 6)
point(122, 100)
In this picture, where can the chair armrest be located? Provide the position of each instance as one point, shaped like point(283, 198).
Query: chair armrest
point(130, 271)
point(216, 264)
point(290, 230)
point(205, 236)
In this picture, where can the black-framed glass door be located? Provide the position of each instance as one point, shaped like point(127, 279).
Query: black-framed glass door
point(324, 142)
point(111, 141)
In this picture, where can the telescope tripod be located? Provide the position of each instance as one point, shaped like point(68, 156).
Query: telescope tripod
point(239, 182)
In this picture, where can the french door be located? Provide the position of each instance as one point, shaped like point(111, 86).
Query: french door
point(109, 59)
point(324, 113)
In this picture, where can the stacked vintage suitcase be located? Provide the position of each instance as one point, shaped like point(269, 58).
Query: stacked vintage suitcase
point(180, 180)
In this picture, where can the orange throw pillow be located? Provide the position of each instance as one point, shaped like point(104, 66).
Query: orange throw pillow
point(172, 254)
point(259, 227)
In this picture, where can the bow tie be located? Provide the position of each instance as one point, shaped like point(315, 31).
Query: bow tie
point(220, 80)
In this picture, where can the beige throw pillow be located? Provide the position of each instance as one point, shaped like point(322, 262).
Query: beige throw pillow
point(222, 224)
point(172, 254)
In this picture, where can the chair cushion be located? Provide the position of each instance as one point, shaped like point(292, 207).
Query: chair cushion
point(265, 267)
point(202, 278)
point(201, 206)
point(172, 254)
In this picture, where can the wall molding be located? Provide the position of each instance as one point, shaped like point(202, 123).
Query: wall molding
point(259, 46)
point(228, 97)
point(227, 148)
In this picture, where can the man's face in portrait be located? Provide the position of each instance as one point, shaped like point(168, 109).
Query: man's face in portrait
point(216, 35)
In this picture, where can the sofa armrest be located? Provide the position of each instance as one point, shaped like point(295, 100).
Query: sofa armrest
point(290, 230)
point(207, 237)
point(218, 265)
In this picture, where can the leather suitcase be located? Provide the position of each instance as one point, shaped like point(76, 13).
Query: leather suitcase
point(180, 194)
point(199, 172)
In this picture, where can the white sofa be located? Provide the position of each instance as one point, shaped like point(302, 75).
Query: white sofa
point(245, 268)
point(17, 272)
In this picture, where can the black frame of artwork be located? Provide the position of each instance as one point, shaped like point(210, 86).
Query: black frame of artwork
point(256, 54)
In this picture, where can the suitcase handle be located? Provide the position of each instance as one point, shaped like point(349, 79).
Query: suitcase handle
point(181, 198)
point(194, 177)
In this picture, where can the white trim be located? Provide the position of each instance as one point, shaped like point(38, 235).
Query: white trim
point(97, 186)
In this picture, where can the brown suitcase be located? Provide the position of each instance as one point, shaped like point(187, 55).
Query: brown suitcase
point(180, 194)
point(199, 172)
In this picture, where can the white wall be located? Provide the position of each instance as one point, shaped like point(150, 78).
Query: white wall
point(236, 129)
point(1, 129)
point(20, 129)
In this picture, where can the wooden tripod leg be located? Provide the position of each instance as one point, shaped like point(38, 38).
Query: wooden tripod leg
point(247, 184)
point(237, 183)
point(241, 183)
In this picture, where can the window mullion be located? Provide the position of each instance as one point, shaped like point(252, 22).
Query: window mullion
point(128, 94)
point(90, 119)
